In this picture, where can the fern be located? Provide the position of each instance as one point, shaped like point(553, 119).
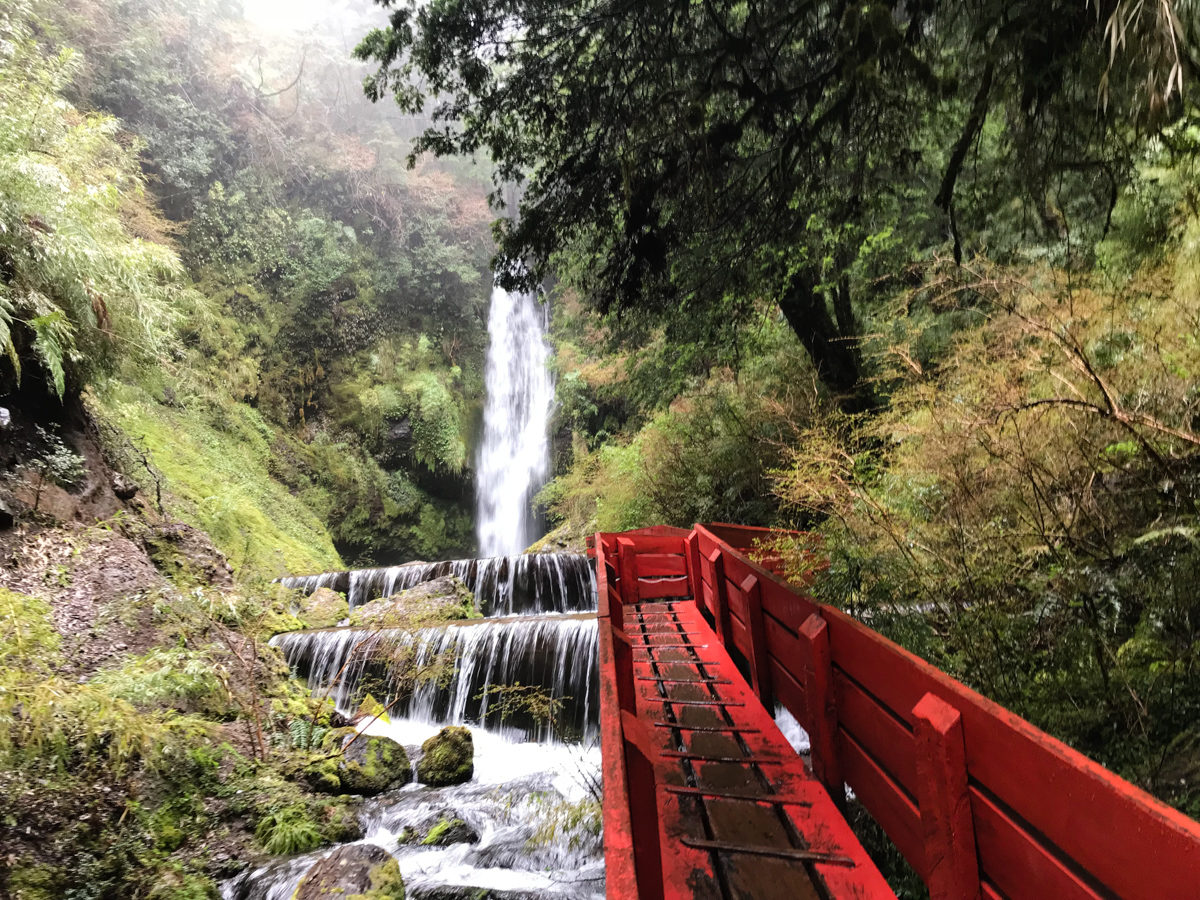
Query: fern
point(287, 831)
point(52, 341)
point(305, 734)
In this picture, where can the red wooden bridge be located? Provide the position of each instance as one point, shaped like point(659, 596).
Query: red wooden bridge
point(704, 797)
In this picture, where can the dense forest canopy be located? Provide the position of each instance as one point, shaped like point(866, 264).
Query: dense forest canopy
point(682, 159)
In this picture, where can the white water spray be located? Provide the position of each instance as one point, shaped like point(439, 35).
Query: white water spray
point(514, 458)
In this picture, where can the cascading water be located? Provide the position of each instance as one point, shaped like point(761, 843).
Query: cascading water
point(454, 666)
point(514, 457)
point(537, 635)
point(503, 585)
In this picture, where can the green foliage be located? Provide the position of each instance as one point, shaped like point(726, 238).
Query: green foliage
point(217, 473)
point(288, 831)
point(168, 678)
point(78, 291)
point(1023, 515)
point(705, 457)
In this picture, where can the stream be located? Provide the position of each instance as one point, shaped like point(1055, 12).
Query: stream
point(538, 631)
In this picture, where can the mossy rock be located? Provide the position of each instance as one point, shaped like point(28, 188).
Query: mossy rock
point(353, 872)
point(450, 831)
point(444, 599)
point(449, 757)
point(324, 608)
point(369, 765)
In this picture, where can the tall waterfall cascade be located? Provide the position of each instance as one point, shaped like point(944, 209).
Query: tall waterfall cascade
point(514, 456)
point(538, 633)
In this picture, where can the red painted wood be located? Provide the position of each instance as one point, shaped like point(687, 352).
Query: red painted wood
point(1034, 803)
point(888, 805)
point(1032, 773)
point(816, 674)
point(620, 873)
point(664, 587)
point(627, 570)
point(760, 666)
point(1019, 865)
point(691, 552)
point(952, 867)
point(878, 732)
point(658, 565)
point(720, 598)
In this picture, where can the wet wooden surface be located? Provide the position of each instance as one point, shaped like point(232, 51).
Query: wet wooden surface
point(738, 816)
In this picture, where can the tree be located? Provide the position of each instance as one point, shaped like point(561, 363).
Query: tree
point(686, 156)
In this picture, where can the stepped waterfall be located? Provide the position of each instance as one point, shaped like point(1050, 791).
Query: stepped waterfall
point(537, 632)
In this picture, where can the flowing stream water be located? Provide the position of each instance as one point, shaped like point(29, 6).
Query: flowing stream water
point(538, 631)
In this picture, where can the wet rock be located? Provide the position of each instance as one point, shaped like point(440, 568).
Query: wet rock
point(449, 757)
point(369, 765)
point(7, 517)
point(444, 599)
point(450, 831)
point(361, 871)
point(466, 892)
point(5, 418)
point(324, 608)
point(124, 488)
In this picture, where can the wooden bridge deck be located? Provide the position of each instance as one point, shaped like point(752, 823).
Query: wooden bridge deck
point(704, 798)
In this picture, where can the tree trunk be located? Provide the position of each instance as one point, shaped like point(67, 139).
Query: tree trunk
point(834, 353)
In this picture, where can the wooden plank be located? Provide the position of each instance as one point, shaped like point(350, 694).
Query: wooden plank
point(952, 867)
point(877, 731)
point(760, 667)
point(1020, 764)
point(672, 545)
point(720, 602)
point(884, 800)
point(662, 587)
point(620, 873)
point(821, 724)
point(1019, 866)
point(657, 565)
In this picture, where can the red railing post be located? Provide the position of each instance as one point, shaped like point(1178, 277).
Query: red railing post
point(760, 667)
point(627, 570)
point(822, 724)
point(952, 864)
point(691, 553)
point(720, 607)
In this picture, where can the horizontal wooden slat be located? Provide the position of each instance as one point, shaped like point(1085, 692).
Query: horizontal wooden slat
point(662, 587)
point(652, 565)
point(883, 799)
point(1017, 864)
point(788, 691)
point(877, 731)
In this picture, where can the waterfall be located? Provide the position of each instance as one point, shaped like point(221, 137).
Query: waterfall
point(503, 585)
point(440, 674)
point(514, 457)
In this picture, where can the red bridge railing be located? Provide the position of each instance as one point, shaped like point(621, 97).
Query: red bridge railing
point(980, 802)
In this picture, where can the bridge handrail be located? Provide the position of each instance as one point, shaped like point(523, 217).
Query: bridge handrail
point(979, 801)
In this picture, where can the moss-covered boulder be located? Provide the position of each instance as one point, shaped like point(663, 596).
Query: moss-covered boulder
point(449, 757)
point(353, 872)
point(450, 831)
point(324, 608)
point(367, 765)
point(445, 599)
